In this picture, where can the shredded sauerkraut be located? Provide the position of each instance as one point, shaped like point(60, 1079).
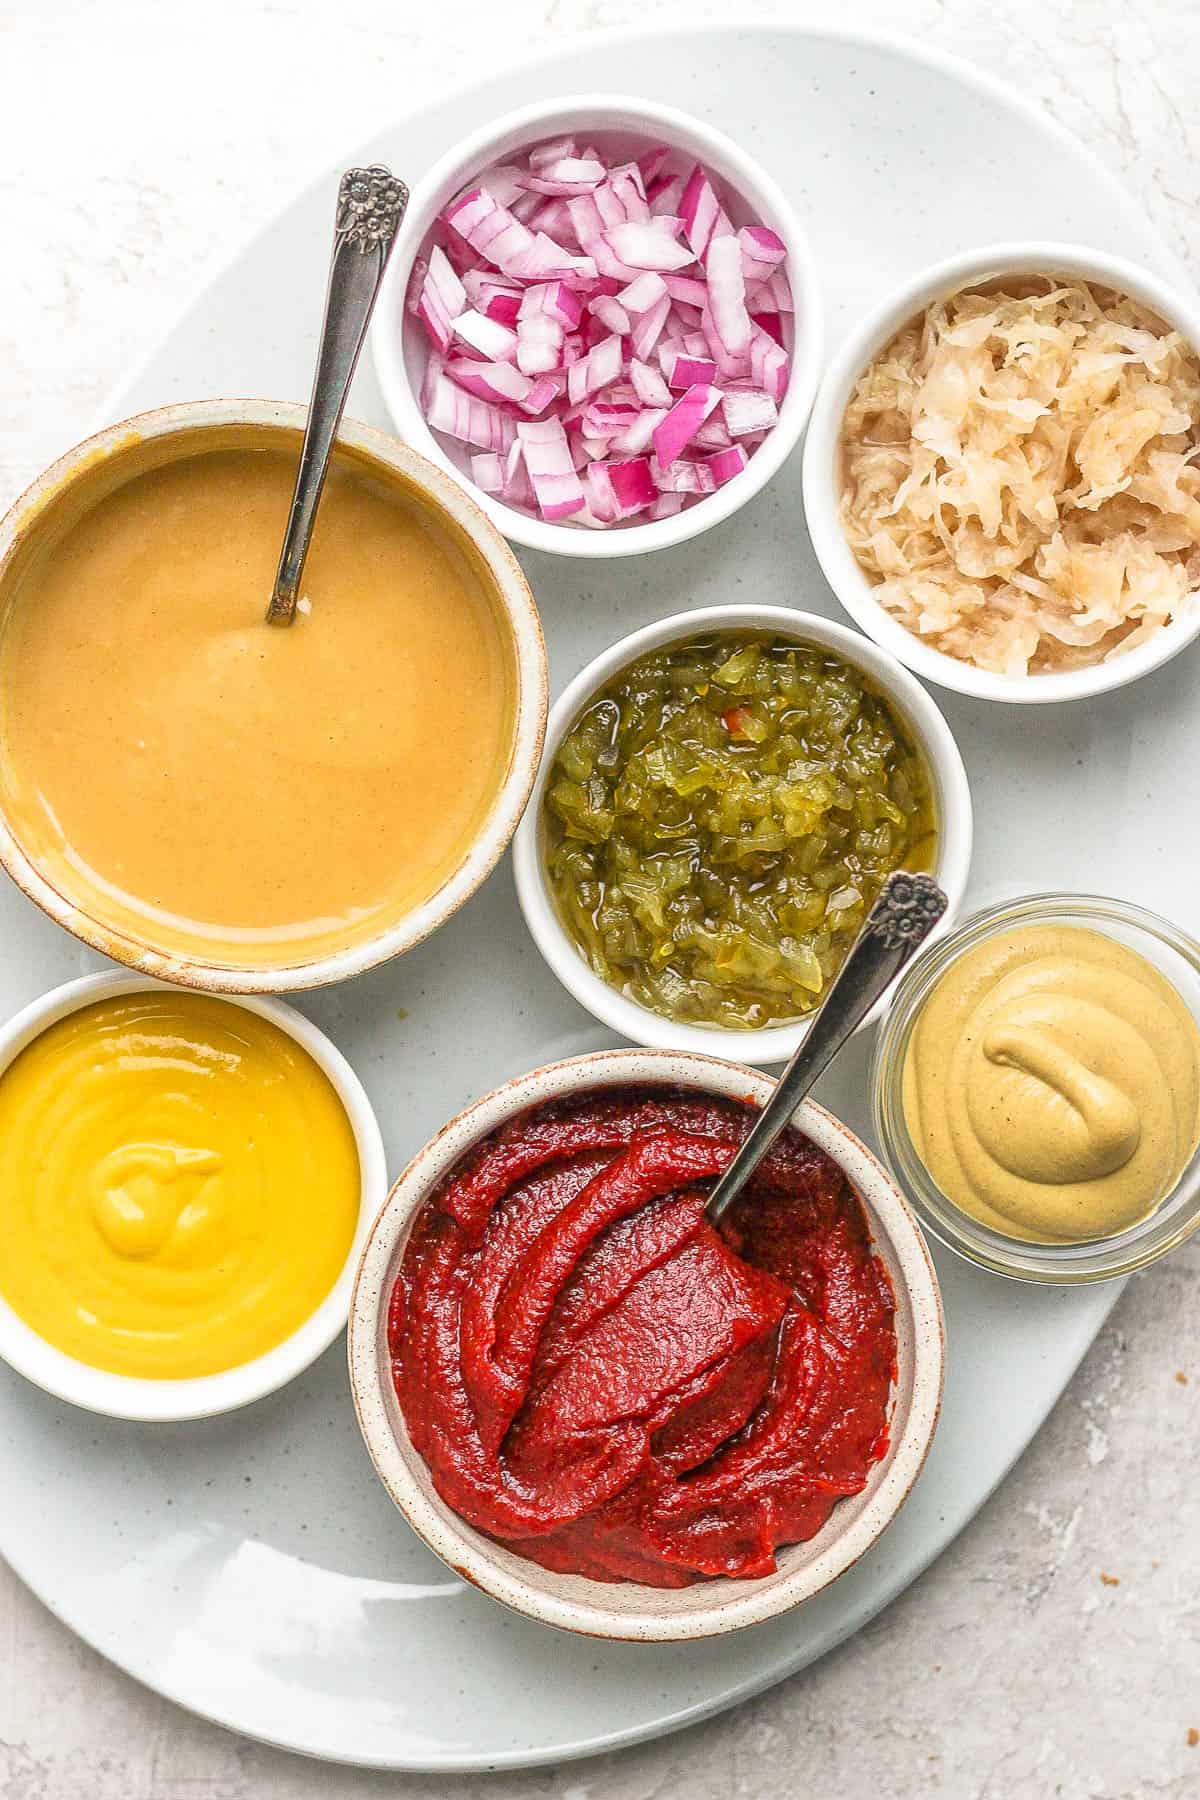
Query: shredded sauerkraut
point(1020, 477)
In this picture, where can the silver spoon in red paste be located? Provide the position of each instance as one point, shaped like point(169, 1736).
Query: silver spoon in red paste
point(906, 911)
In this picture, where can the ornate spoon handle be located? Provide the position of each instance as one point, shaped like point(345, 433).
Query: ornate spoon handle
point(370, 206)
point(906, 911)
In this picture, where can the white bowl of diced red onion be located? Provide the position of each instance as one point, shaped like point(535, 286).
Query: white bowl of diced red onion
point(602, 317)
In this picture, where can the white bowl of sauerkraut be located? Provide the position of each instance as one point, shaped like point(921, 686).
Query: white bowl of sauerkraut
point(1002, 473)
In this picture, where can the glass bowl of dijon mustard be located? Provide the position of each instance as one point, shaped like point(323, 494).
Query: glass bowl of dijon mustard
point(1036, 1088)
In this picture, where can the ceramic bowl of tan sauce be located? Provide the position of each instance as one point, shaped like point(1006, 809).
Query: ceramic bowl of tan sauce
point(225, 804)
point(1037, 1087)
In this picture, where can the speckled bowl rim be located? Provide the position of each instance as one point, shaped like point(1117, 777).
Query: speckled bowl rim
point(917, 708)
point(574, 1603)
point(531, 698)
point(822, 489)
point(202, 1396)
point(579, 113)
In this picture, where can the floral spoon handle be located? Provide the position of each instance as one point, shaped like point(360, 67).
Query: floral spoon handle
point(370, 206)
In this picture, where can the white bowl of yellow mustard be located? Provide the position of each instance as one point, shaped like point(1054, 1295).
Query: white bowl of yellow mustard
point(1037, 1087)
point(186, 1182)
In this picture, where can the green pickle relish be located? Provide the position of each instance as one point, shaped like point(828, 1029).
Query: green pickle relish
point(719, 819)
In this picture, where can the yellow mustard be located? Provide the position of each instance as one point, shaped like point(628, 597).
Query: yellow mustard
point(1052, 1084)
point(179, 1185)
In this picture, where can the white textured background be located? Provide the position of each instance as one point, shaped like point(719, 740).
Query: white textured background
point(1055, 1649)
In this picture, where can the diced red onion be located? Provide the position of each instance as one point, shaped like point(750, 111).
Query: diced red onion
point(713, 434)
point(539, 344)
point(495, 342)
point(622, 199)
point(603, 338)
point(460, 415)
point(762, 252)
point(683, 371)
point(568, 175)
point(665, 193)
point(727, 463)
point(553, 219)
point(687, 288)
point(648, 328)
point(441, 299)
point(518, 489)
point(491, 295)
point(769, 364)
point(748, 410)
point(771, 323)
point(703, 215)
point(594, 371)
point(611, 314)
point(602, 418)
point(542, 393)
point(500, 382)
point(526, 206)
point(679, 427)
point(632, 484)
point(556, 485)
point(683, 477)
point(727, 304)
point(543, 260)
point(487, 472)
point(648, 384)
point(643, 293)
point(555, 300)
point(638, 435)
point(650, 165)
point(644, 246)
point(552, 151)
point(777, 293)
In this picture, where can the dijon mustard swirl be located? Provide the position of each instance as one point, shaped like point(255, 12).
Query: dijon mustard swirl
point(1052, 1084)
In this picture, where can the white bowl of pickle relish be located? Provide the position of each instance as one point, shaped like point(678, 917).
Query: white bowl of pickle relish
point(912, 711)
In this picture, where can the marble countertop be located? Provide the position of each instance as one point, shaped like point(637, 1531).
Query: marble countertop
point(1054, 1650)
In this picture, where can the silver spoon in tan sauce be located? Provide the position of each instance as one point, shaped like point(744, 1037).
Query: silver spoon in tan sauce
point(371, 203)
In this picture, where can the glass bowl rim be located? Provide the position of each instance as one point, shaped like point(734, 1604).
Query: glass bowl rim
point(1100, 1259)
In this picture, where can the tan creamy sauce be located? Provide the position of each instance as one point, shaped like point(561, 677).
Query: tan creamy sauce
point(220, 787)
point(1052, 1084)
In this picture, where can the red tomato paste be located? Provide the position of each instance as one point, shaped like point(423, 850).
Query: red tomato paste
point(603, 1382)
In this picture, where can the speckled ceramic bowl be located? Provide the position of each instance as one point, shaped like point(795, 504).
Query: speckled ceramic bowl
point(100, 464)
point(631, 1610)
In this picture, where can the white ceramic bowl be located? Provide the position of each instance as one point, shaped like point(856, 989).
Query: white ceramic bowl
point(401, 347)
point(150, 439)
point(952, 797)
point(198, 1397)
point(630, 1609)
point(822, 483)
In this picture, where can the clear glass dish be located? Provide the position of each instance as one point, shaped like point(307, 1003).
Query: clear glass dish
point(1171, 951)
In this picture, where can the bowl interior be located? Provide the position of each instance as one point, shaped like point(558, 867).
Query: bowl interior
point(95, 470)
point(630, 1609)
point(626, 128)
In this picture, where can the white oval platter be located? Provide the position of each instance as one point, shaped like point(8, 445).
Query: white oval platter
point(251, 1567)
